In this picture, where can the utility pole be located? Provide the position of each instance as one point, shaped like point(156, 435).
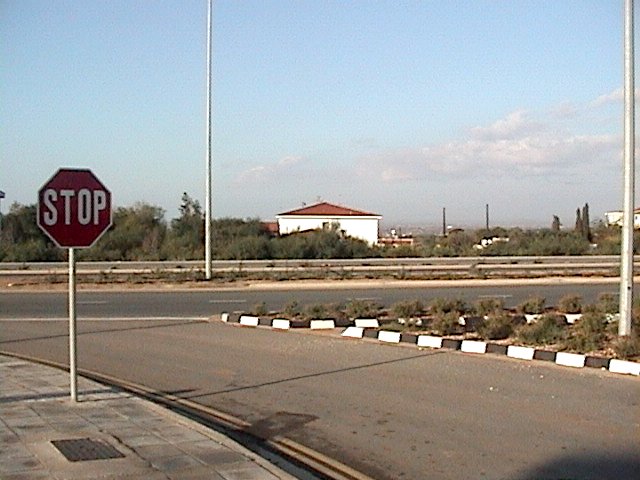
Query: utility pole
point(628, 218)
point(486, 214)
point(207, 208)
point(444, 221)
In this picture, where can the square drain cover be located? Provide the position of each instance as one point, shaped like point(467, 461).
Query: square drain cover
point(83, 449)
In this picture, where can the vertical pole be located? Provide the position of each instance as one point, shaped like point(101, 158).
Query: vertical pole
point(628, 219)
point(73, 376)
point(444, 221)
point(207, 220)
point(486, 216)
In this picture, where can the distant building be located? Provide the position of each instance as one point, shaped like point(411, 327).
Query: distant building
point(616, 217)
point(324, 215)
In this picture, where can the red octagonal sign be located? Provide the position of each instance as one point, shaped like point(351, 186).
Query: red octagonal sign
point(74, 208)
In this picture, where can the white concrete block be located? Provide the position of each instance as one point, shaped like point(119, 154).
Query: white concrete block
point(572, 317)
point(524, 353)
point(390, 337)
point(249, 321)
point(570, 359)
point(624, 366)
point(281, 324)
point(367, 322)
point(429, 341)
point(322, 324)
point(473, 346)
point(530, 318)
point(224, 317)
point(353, 332)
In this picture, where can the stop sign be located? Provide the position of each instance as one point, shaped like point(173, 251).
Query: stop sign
point(74, 208)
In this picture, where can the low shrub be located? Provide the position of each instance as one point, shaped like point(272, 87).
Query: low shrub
point(488, 306)
point(587, 334)
point(546, 331)
point(407, 309)
point(608, 303)
point(292, 309)
point(497, 326)
point(627, 347)
point(362, 309)
point(440, 305)
point(532, 305)
point(570, 304)
point(316, 311)
point(260, 309)
point(446, 323)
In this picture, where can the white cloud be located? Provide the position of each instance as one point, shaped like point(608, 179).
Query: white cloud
point(521, 143)
point(284, 167)
point(617, 96)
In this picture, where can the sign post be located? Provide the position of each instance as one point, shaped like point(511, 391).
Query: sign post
point(74, 210)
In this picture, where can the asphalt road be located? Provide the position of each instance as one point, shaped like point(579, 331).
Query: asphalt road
point(203, 303)
point(392, 412)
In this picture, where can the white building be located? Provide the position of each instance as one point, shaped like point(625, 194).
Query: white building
point(615, 218)
point(353, 223)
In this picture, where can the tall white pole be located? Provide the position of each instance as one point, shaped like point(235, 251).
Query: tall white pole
point(73, 370)
point(207, 220)
point(626, 270)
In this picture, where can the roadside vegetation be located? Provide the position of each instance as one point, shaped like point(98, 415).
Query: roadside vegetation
point(589, 329)
point(141, 232)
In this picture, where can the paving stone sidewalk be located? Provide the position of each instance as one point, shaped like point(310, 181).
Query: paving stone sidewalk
point(132, 438)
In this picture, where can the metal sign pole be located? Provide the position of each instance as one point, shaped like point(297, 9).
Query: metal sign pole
point(73, 375)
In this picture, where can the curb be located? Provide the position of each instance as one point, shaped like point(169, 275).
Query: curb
point(361, 330)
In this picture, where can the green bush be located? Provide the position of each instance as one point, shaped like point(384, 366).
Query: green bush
point(608, 303)
point(440, 305)
point(627, 347)
point(260, 309)
point(532, 306)
point(497, 326)
point(292, 309)
point(547, 330)
point(446, 323)
point(407, 309)
point(570, 304)
point(316, 311)
point(362, 309)
point(587, 334)
point(488, 306)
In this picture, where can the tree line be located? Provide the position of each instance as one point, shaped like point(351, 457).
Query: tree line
point(141, 232)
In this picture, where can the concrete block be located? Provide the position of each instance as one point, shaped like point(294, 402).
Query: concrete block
point(390, 337)
point(451, 344)
point(224, 317)
point(624, 366)
point(473, 346)
point(353, 332)
point(281, 324)
point(429, 341)
point(249, 321)
point(322, 324)
point(411, 338)
point(570, 359)
point(531, 318)
point(597, 362)
point(572, 317)
point(367, 322)
point(496, 348)
point(524, 353)
point(544, 355)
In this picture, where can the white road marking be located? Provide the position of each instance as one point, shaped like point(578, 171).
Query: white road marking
point(232, 300)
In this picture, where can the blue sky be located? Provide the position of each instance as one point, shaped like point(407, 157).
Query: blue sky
point(399, 108)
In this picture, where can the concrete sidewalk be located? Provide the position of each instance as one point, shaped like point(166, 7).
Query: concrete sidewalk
point(114, 435)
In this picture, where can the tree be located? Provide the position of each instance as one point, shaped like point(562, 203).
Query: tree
point(578, 227)
point(186, 237)
point(555, 224)
point(586, 228)
point(22, 241)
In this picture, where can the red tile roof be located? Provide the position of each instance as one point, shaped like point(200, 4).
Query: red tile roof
point(329, 209)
